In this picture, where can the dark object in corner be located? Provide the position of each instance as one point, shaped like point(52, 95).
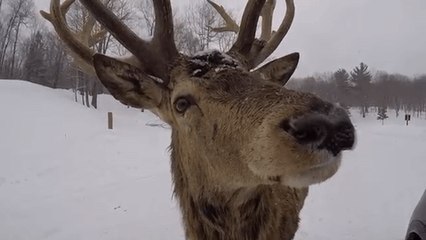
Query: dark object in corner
point(417, 227)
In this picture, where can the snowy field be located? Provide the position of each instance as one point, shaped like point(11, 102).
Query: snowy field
point(64, 176)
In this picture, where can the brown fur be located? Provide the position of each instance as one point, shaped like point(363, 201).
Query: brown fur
point(244, 149)
point(219, 197)
point(234, 167)
point(260, 213)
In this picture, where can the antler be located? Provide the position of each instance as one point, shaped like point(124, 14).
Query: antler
point(249, 50)
point(267, 15)
point(154, 57)
point(230, 24)
point(79, 43)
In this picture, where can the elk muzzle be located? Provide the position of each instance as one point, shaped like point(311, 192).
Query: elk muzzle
point(330, 129)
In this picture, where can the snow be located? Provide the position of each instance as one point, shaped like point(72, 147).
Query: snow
point(64, 175)
point(203, 61)
point(207, 52)
point(377, 188)
point(212, 53)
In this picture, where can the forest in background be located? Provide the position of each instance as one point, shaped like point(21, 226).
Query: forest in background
point(31, 50)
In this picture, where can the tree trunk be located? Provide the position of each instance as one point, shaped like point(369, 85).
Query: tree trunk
point(86, 93)
point(95, 94)
point(86, 90)
point(77, 80)
point(12, 66)
point(58, 68)
point(5, 41)
point(82, 97)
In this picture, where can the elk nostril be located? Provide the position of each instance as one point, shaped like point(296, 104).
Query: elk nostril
point(345, 127)
point(321, 107)
point(322, 131)
point(306, 130)
point(302, 135)
point(345, 135)
point(285, 125)
point(310, 134)
point(342, 138)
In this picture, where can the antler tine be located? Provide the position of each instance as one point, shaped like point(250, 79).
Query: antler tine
point(230, 24)
point(279, 35)
point(81, 52)
point(163, 32)
point(97, 37)
point(252, 53)
point(154, 56)
point(267, 14)
point(88, 25)
point(248, 27)
point(65, 7)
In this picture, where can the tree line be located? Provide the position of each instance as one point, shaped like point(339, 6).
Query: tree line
point(31, 50)
point(366, 90)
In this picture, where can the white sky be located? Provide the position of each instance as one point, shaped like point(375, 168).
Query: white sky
point(387, 35)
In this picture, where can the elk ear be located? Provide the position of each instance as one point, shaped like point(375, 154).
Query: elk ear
point(279, 70)
point(127, 83)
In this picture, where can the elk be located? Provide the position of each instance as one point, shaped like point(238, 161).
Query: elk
point(244, 149)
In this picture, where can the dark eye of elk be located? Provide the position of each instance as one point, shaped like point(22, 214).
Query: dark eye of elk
point(183, 103)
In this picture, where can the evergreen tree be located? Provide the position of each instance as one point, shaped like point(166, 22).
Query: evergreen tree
point(342, 79)
point(382, 114)
point(361, 79)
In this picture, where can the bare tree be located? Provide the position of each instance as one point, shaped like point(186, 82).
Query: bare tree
point(35, 68)
point(24, 14)
point(88, 31)
point(199, 18)
point(145, 13)
point(56, 59)
point(186, 41)
point(19, 12)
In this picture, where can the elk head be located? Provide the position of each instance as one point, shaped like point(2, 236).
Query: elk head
point(232, 126)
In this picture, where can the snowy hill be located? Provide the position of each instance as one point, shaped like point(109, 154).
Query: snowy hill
point(64, 176)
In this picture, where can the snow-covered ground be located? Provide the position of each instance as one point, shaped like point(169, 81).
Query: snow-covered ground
point(64, 176)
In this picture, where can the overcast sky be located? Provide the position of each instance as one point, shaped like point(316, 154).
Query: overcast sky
point(387, 35)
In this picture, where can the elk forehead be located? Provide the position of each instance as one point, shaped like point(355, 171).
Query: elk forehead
point(203, 62)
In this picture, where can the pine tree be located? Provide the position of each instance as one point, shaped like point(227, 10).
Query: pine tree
point(342, 80)
point(361, 79)
point(381, 114)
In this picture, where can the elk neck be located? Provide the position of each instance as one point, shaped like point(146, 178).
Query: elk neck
point(210, 211)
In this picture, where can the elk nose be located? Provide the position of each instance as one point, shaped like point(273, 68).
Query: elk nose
point(322, 131)
point(307, 129)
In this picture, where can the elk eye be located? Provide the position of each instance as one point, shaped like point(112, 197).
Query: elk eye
point(183, 103)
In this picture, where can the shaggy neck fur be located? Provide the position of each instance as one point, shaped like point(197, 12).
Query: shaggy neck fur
point(265, 212)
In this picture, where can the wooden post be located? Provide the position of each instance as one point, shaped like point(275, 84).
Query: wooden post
point(109, 120)
point(407, 119)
